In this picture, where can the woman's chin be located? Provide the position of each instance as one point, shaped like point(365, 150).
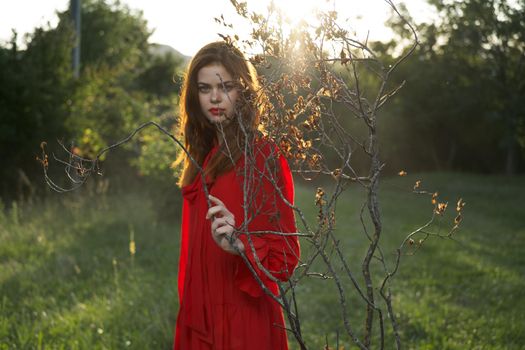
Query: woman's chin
point(218, 119)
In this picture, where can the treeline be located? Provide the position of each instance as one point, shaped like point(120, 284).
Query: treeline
point(462, 107)
point(123, 82)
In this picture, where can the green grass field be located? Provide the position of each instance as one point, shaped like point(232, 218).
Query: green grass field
point(68, 281)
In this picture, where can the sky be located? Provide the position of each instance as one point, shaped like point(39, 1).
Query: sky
point(188, 25)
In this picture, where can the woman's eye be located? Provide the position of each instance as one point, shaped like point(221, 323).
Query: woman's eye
point(228, 87)
point(204, 89)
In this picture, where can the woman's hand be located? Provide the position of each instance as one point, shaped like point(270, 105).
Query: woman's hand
point(223, 226)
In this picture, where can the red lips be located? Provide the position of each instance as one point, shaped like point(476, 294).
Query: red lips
point(216, 111)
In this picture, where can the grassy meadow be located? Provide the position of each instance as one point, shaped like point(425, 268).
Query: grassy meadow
point(68, 280)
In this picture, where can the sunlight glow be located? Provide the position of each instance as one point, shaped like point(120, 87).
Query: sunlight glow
point(297, 10)
point(361, 18)
point(188, 25)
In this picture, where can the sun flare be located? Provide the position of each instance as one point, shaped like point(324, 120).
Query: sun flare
point(295, 11)
point(362, 19)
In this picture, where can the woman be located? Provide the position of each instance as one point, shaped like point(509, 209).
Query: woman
point(237, 205)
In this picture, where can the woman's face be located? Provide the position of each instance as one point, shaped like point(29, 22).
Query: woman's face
point(218, 92)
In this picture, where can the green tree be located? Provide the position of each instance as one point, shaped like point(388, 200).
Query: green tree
point(462, 97)
point(33, 102)
point(115, 92)
point(113, 49)
point(123, 83)
point(492, 31)
point(112, 36)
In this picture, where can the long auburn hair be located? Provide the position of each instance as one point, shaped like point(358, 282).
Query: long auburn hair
point(199, 134)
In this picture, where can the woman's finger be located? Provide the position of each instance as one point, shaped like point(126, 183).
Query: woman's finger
point(218, 222)
point(218, 209)
point(218, 203)
point(224, 230)
point(216, 200)
point(214, 211)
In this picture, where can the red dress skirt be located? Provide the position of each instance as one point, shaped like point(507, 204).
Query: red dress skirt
point(222, 306)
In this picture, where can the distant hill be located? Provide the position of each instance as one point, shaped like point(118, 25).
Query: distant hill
point(161, 50)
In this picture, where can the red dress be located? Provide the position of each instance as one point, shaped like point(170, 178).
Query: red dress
point(221, 304)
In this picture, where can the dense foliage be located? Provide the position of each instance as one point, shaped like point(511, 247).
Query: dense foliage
point(124, 81)
point(462, 106)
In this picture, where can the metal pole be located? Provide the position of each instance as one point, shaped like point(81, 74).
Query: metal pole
point(75, 15)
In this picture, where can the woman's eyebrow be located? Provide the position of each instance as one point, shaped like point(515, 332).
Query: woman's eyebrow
point(220, 83)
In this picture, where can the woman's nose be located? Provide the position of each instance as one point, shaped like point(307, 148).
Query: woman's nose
point(215, 96)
